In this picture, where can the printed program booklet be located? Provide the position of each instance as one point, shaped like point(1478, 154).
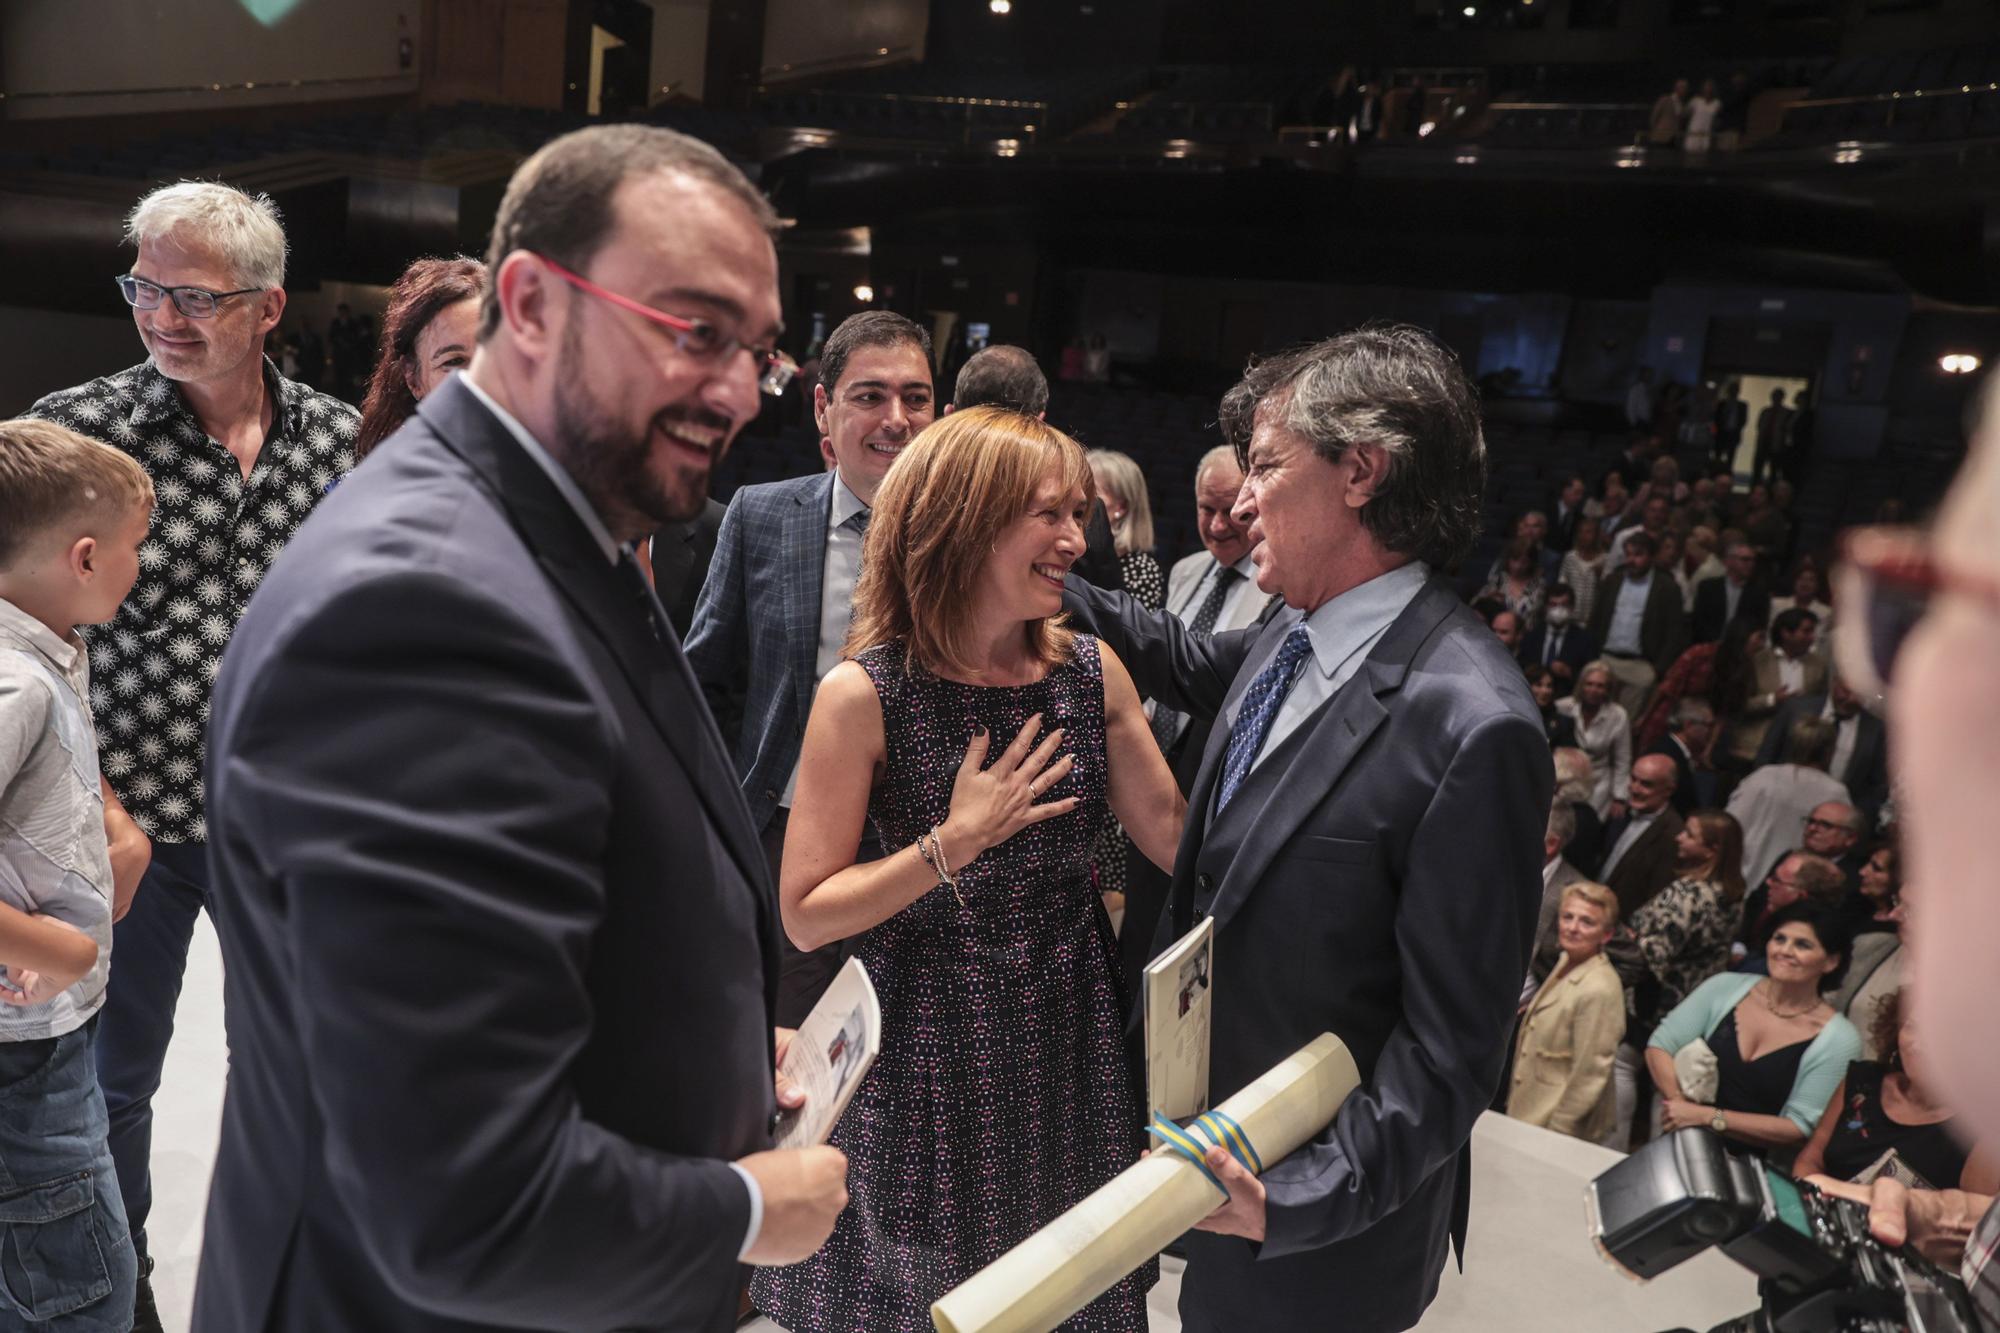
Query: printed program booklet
point(1178, 1002)
point(833, 1051)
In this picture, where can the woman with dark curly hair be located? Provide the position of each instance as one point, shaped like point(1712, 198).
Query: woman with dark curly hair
point(428, 331)
point(1890, 1104)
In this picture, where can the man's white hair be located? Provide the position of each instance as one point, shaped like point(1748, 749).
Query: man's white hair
point(1218, 456)
point(245, 230)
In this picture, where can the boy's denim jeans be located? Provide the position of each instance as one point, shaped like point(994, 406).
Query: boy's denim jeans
point(66, 1258)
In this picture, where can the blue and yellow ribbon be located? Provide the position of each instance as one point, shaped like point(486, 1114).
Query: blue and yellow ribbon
point(1220, 1130)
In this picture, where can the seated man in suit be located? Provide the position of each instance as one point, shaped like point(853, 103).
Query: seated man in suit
point(1559, 643)
point(1689, 728)
point(1372, 740)
point(773, 612)
point(1737, 592)
point(1860, 745)
point(1576, 780)
point(1641, 858)
point(500, 945)
point(1212, 591)
point(1557, 875)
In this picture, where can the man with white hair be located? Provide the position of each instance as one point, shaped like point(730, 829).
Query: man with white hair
point(239, 455)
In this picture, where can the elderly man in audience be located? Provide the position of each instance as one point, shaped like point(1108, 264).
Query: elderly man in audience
point(1638, 619)
point(1640, 856)
point(1689, 729)
point(1797, 877)
point(1570, 1032)
point(1860, 745)
point(1576, 784)
point(1557, 876)
point(239, 456)
point(1774, 802)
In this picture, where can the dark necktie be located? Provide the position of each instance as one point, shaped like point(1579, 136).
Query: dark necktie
point(1167, 723)
point(642, 592)
point(1552, 645)
point(856, 523)
point(1258, 710)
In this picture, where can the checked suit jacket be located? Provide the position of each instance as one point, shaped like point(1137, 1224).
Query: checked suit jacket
point(754, 645)
point(1377, 876)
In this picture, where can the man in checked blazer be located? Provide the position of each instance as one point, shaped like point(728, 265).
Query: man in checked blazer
point(1366, 828)
point(773, 613)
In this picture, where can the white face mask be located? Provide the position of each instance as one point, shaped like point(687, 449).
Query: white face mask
point(1558, 616)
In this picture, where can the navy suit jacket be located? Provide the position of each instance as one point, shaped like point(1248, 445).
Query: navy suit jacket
point(1579, 650)
point(756, 627)
point(1339, 880)
point(500, 944)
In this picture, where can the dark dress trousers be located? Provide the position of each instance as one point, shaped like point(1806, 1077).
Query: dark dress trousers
point(1377, 876)
point(500, 946)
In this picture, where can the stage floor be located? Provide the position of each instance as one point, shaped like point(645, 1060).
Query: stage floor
point(1528, 1269)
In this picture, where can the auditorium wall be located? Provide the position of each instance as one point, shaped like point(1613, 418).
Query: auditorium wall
point(113, 57)
point(802, 36)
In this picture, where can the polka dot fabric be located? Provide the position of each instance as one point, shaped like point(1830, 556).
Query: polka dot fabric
point(1002, 1096)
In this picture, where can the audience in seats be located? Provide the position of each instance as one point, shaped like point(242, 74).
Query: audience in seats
point(1604, 733)
point(1808, 594)
point(1571, 1028)
point(1689, 732)
point(1778, 1049)
point(1639, 843)
point(1683, 934)
point(1542, 686)
point(1787, 668)
point(1774, 802)
point(1887, 1104)
point(1860, 760)
point(1518, 582)
point(1738, 593)
point(1557, 876)
point(1559, 644)
point(1638, 619)
point(1576, 781)
point(1798, 877)
point(1717, 671)
point(1583, 565)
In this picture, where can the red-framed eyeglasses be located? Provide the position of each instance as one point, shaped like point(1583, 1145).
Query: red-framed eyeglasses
point(1884, 585)
point(694, 337)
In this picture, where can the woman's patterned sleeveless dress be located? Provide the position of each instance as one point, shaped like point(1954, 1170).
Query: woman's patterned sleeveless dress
point(1002, 1095)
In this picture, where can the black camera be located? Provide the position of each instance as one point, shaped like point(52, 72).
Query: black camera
point(1819, 1270)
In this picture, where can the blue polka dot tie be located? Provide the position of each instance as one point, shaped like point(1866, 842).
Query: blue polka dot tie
point(1258, 710)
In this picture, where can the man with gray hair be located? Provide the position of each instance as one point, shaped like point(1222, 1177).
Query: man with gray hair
point(1372, 739)
point(1689, 728)
point(1772, 804)
point(239, 456)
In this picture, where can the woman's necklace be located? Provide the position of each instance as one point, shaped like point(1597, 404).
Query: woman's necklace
point(1772, 1004)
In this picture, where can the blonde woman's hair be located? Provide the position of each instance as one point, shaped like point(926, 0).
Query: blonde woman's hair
point(956, 487)
point(1125, 482)
point(1598, 896)
point(51, 475)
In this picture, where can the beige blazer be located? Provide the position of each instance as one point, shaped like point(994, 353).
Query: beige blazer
point(1563, 1057)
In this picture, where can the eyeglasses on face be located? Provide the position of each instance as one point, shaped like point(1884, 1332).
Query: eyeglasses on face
point(695, 338)
point(194, 302)
point(1826, 825)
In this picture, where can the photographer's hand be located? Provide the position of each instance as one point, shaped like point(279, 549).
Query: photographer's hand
point(1935, 1223)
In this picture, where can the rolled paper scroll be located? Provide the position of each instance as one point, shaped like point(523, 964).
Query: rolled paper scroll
point(1078, 1257)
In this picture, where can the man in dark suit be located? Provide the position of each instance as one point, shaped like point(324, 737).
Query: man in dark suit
point(1738, 593)
point(1559, 643)
point(500, 944)
point(1640, 857)
point(1732, 414)
point(773, 613)
point(1860, 750)
point(1639, 621)
point(1565, 509)
point(1689, 728)
point(1372, 739)
point(680, 553)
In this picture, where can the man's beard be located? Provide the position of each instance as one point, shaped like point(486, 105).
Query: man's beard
point(613, 467)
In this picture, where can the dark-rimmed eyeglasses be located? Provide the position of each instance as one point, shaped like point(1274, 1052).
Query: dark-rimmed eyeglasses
point(696, 338)
point(1884, 585)
point(194, 302)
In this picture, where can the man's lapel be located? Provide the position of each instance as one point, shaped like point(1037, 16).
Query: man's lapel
point(564, 548)
point(802, 545)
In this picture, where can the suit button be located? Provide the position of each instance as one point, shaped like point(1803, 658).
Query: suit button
point(1204, 883)
point(770, 793)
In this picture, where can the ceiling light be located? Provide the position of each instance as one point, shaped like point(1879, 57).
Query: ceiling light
point(1000, 6)
point(864, 294)
point(1472, 11)
point(1958, 363)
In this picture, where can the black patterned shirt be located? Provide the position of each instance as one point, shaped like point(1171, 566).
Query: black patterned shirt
point(213, 536)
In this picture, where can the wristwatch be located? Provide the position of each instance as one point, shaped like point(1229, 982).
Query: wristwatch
point(1719, 1122)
